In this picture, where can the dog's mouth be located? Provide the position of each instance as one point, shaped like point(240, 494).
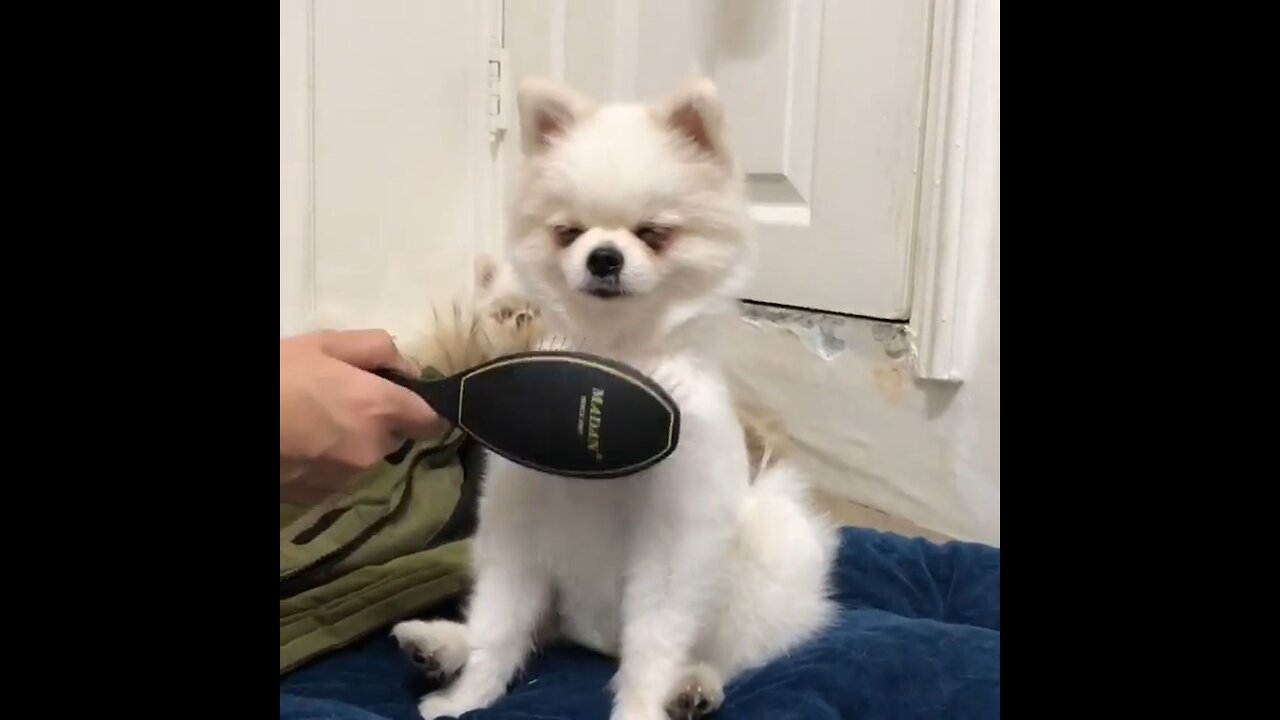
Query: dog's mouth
point(605, 289)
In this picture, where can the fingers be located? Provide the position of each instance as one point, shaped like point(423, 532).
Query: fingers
point(360, 452)
point(413, 417)
point(406, 414)
point(368, 350)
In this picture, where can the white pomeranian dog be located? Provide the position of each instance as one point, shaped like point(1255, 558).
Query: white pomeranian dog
point(629, 231)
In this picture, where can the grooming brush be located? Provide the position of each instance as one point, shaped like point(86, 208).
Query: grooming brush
point(561, 412)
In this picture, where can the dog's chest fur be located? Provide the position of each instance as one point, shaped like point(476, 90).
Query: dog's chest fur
point(585, 547)
point(585, 532)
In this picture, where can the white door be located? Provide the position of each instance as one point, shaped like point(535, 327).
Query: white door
point(825, 100)
point(386, 177)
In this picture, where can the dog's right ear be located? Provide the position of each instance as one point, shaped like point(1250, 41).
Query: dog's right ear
point(548, 110)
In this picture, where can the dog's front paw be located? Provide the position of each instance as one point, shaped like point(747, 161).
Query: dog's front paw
point(437, 648)
point(699, 694)
point(444, 704)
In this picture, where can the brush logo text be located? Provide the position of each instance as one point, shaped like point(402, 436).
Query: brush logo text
point(595, 415)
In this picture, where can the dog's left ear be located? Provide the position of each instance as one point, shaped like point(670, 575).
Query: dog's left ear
point(696, 115)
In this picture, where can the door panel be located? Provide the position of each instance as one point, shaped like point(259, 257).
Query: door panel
point(400, 179)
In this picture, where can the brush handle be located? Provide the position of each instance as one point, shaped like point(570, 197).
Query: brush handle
point(441, 395)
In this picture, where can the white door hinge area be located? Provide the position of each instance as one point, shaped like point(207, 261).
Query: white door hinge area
point(498, 97)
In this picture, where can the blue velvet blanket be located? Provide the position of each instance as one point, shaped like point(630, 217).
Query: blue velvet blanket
point(918, 637)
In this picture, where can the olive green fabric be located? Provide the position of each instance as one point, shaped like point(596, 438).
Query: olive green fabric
point(384, 552)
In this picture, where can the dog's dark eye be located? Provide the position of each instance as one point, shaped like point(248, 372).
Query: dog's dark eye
point(655, 236)
point(566, 234)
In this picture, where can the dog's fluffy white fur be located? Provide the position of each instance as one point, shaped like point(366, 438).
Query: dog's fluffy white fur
point(693, 570)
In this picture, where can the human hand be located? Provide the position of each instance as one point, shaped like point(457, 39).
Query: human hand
point(337, 417)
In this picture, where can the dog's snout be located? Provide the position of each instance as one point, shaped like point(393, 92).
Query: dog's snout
point(605, 261)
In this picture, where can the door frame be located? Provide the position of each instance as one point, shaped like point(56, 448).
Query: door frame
point(957, 224)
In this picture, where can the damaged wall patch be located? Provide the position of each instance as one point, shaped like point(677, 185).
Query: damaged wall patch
point(817, 331)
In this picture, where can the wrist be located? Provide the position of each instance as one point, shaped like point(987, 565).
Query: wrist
point(291, 470)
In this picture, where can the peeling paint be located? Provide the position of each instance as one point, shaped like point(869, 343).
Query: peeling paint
point(829, 336)
point(894, 338)
point(819, 332)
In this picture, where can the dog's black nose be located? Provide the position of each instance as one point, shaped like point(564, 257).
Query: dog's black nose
point(605, 261)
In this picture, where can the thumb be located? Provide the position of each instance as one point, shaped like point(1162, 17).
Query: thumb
point(367, 350)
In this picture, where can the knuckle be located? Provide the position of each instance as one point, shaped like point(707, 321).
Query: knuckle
point(326, 339)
